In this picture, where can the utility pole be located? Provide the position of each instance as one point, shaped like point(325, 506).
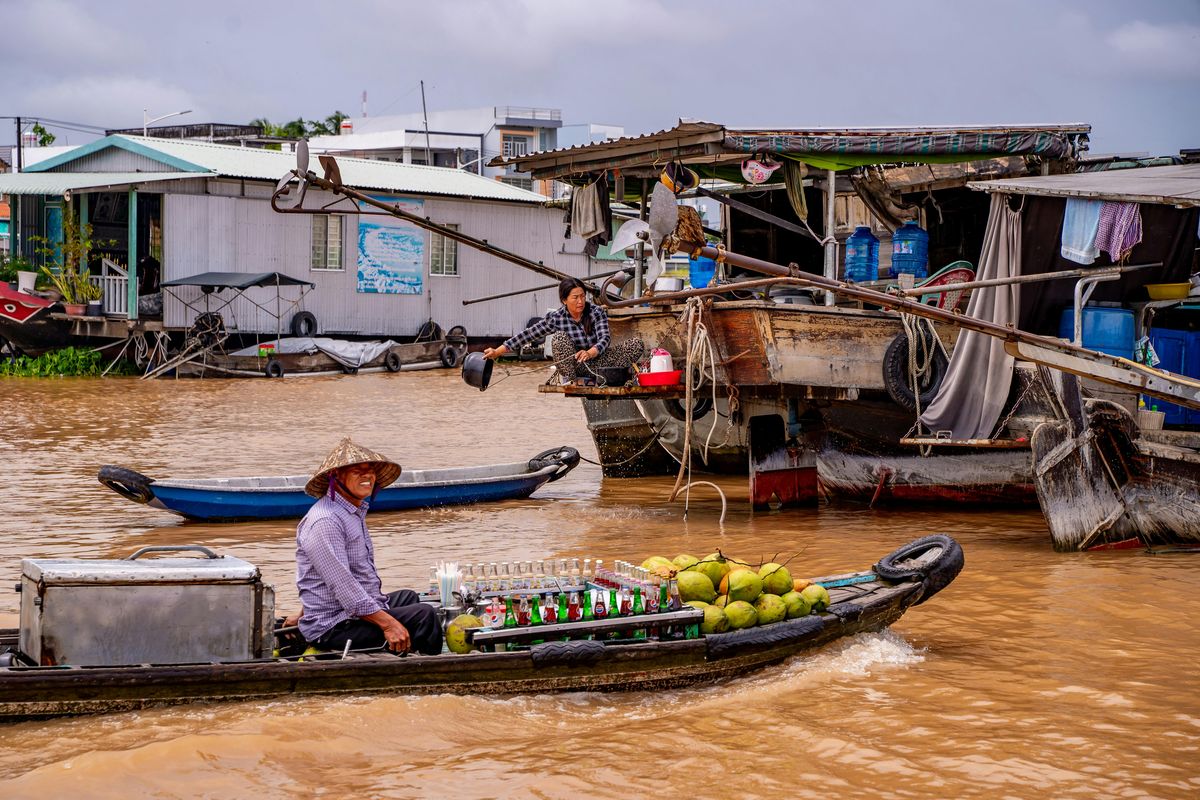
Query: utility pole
point(425, 113)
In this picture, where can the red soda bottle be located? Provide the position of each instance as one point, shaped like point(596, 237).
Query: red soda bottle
point(574, 609)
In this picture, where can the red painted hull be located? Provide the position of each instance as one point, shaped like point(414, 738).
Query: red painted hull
point(18, 307)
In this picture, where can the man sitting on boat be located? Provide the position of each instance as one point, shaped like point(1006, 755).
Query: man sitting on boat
point(340, 589)
point(580, 336)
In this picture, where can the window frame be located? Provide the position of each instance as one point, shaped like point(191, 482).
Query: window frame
point(330, 221)
point(434, 239)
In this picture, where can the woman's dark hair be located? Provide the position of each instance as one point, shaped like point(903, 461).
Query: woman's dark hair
point(568, 285)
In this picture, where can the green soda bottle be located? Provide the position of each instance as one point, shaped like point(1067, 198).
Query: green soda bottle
point(638, 609)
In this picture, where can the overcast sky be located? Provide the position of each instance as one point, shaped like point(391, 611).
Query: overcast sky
point(1131, 70)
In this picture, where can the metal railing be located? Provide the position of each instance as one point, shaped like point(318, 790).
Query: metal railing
point(529, 112)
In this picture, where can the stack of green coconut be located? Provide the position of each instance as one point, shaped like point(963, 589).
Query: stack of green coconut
point(735, 595)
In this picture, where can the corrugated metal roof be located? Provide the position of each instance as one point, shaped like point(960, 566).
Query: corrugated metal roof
point(1173, 185)
point(55, 183)
point(249, 162)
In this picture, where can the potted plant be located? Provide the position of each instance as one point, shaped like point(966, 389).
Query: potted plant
point(65, 264)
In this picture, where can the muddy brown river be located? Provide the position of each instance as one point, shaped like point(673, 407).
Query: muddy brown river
point(1036, 674)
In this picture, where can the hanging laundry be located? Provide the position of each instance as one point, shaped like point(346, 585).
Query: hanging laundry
point(1081, 221)
point(586, 217)
point(604, 235)
point(794, 173)
point(1120, 229)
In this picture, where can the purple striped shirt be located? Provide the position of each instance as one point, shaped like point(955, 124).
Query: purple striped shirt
point(335, 566)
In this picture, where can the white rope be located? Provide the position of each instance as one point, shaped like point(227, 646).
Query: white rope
point(919, 363)
point(713, 485)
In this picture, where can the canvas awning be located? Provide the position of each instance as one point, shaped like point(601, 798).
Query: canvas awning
point(1177, 185)
point(211, 281)
point(56, 183)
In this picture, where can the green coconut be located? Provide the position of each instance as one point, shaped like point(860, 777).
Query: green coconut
point(797, 604)
point(721, 601)
point(700, 604)
point(456, 632)
point(776, 578)
point(745, 585)
point(695, 586)
point(715, 620)
point(770, 608)
point(684, 561)
point(713, 566)
point(817, 596)
point(657, 561)
point(741, 615)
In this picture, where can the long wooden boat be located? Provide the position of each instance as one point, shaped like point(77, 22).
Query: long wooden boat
point(869, 600)
point(283, 497)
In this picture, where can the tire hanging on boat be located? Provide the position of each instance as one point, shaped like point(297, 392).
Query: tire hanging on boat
point(274, 368)
point(936, 573)
point(130, 484)
point(896, 378)
point(449, 357)
point(392, 361)
point(429, 331)
point(566, 458)
point(304, 323)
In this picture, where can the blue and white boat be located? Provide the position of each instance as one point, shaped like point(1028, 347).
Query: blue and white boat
point(283, 497)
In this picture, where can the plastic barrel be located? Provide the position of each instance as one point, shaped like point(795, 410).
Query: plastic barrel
point(862, 256)
point(1109, 330)
point(700, 272)
point(910, 250)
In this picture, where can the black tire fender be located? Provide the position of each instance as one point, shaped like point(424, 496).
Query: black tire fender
point(304, 323)
point(565, 458)
point(429, 331)
point(130, 484)
point(274, 368)
point(701, 406)
point(935, 573)
point(735, 643)
point(896, 379)
point(449, 357)
point(457, 335)
point(392, 361)
point(584, 652)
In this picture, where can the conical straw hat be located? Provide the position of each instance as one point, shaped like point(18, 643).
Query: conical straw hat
point(345, 454)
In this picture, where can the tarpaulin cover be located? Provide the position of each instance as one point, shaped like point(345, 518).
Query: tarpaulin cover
point(842, 152)
point(346, 353)
point(238, 280)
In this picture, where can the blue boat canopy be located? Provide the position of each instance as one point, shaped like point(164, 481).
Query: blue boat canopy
point(212, 281)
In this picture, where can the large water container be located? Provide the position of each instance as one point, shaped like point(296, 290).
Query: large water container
point(1109, 330)
point(910, 250)
point(700, 272)
point(862, 256)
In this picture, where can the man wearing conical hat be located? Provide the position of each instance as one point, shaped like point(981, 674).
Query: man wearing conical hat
point(340, 590)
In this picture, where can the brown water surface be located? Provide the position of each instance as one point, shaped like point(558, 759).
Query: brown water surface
point(1037, 674)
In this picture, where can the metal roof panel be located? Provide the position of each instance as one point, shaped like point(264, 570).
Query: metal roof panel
point(55, 183)
point(1171, 185)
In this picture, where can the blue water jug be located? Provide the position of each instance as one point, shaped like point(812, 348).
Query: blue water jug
point(862, 256)
point(910, 250)
point(700, 272)
point(1109, 330)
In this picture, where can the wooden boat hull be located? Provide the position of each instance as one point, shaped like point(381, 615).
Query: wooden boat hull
point(866, 603)
point(229, 499)
point(1103, 484)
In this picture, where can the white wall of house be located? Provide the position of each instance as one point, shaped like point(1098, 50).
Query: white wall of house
point(232, 228)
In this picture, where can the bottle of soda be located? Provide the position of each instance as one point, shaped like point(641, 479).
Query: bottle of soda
point(626, 603)
point(614, 606)
point(601, 610)
point(550, 610)
point(587, 570)
point(674, 601)
point(535, 610)
point(539, 580)
point(600, 579)
point(638, 633)
point(523, 615)
point(574, 610)
point(563, 611)
point(507, 583)
point(434, 588)
point(588, 616)
point(510, 618)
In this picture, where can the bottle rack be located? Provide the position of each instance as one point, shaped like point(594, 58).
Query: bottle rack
point(527, 634)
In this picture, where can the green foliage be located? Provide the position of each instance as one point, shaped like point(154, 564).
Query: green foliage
point(300, 128)
point(11, 265)
point(64, 259)
point(45, 137)
point(68, 362)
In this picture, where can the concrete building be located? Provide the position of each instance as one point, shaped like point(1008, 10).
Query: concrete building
point(197, 207)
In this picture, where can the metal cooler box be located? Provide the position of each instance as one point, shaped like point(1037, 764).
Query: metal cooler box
point(97, 612)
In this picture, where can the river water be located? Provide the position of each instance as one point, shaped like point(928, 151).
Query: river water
point(1036, 674)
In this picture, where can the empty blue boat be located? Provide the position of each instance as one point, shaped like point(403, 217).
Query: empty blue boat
point(283, 497)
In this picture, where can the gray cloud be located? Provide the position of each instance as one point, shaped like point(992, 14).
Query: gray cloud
point(1129, 70)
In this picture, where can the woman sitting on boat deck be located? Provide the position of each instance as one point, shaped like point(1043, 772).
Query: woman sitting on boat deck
point(340, 590)
point(581, 337)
